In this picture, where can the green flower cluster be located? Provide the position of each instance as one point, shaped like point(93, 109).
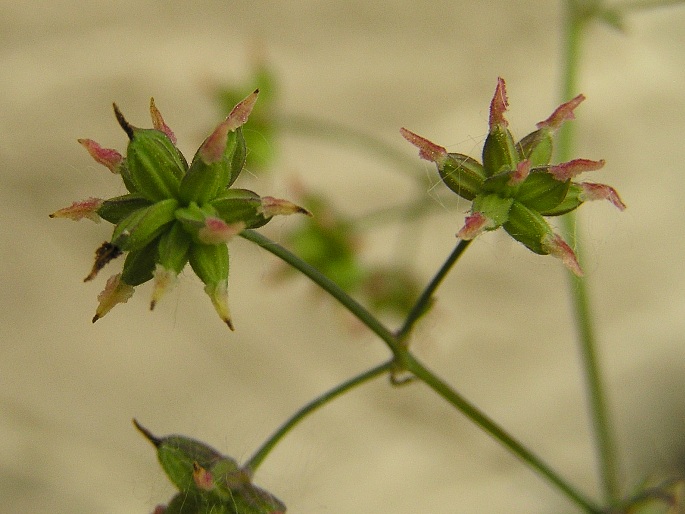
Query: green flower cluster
point(515, 186)
point(175, 213)
point(208, 482)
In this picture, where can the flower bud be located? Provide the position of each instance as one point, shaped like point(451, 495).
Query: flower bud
point(209, 174)
point(210, 263)
point(194, 218)
point(209, 481)
point(172, 255)
point(88, 208)
point(116, 209)
point(143, 225)
point(463, 175)
point(528, 227)
point(494, 207)
point(155, 165)
point(234, 205)
point(177, 454)
point(220, 158)
point(538, 145)
point(541, 191)
point(460, 173)
point(499, 150)
point(115, 292)
point(139, 265)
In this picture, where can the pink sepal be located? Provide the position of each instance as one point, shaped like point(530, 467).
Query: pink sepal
point(561, 114)
point(567, 170)
point(499, 105)
point(427, 150)
point(592, 191)
point(557, 247)
point(105, 156)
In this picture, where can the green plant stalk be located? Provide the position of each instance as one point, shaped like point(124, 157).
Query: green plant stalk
point(403, 359)
point(489, 426)
point(423, 303)
point(574, 25)
point(253, 463)
point(327, 285)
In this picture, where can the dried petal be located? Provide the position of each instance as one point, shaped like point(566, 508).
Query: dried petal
point(78, 210)
point(105, 156)
point(275, 206)
point(105, 253)
point(217, 231)
point(562, 113)
point(218, 294)
point(499, 105)
point(158, 121)
point(164, 281)
point(557, 247)
point(239, 114)
point(521, 173)
point(115, 292)
point(427, 150)
point(203, 479)
point(592, 191)
point(568, 170)
point(474, 225)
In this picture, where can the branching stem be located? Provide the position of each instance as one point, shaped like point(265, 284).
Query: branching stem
point(403, 359)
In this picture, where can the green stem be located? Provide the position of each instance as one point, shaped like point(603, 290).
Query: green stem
point(489, 426)
point(403, 359)
point(253, 463)
point(574, 25)
point(423, 303)
point(327, 285)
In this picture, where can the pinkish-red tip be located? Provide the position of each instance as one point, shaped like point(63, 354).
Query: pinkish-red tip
point(78, 210)
point(592, 191)
point(212, 150)
point(474, 225)
point(106, 156)
point(568, 170)
point(241, 111)
point(558, 248)
point(521, 173)
point(562, 113)
point(158, 121)
point(217, 231)
point(427, 150)
point(499, 105)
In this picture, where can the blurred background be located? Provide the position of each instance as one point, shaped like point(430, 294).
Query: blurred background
point(500, 332)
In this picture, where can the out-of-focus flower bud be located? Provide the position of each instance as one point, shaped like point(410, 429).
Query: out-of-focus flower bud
point(209, 481)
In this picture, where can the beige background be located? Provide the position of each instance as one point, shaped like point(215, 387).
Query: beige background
point(500, 332)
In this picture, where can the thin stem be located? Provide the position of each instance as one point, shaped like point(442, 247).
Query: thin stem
point(423, 303)
point(604, 440)
point(327, 284)
point(253, 463)
point(403, 359)
point(498, 433)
